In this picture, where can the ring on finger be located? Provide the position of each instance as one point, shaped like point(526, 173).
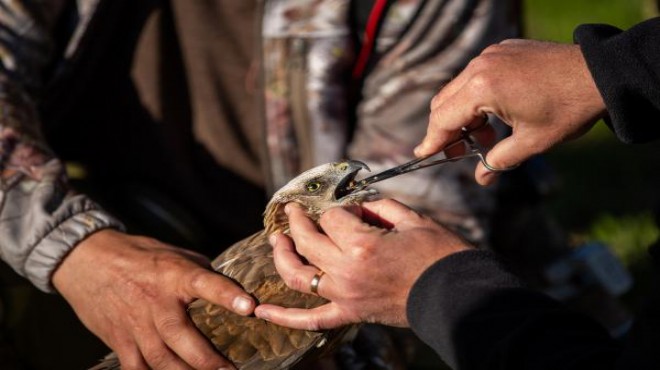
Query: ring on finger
point(314, 284)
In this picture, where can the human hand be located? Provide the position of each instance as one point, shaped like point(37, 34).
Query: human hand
point(132, 293)
point(543, 90)
point(369, 270)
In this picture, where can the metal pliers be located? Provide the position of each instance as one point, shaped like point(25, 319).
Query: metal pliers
point(473, 149)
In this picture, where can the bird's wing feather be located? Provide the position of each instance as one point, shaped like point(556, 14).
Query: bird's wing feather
point(248, 342)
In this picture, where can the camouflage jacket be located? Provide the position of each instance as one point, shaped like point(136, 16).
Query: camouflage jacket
point(306, 52)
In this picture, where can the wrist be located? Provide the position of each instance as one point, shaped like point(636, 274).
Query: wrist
point(82, 256)
point(591, 98)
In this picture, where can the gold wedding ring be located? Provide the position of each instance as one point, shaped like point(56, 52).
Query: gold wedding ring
point(314, 284)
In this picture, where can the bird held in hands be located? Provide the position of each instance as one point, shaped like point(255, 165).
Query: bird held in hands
point(251, 343)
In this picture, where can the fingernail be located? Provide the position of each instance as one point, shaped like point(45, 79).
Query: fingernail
point(227, 368)
point(272, 239)
point(242, 305)
point(287, 208)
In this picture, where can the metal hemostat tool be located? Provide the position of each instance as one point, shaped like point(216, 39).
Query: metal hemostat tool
point(473, 149)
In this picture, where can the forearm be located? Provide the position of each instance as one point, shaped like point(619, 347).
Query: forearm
point(476, 315)
point(626, 69)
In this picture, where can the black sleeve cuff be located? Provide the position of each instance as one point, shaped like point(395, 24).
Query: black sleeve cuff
point(477, 315)
point(626, 68)
point(449, 289)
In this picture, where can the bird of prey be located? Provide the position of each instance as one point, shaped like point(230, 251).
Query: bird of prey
point(251, 343)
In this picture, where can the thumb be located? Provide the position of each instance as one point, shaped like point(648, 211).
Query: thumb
point(327, 316)
point(506, 154)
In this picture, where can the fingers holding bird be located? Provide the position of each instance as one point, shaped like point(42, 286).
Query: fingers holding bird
point(297, 274)
point(370, 260)
point(141, 313)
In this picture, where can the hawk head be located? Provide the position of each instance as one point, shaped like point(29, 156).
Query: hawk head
point(317, 190)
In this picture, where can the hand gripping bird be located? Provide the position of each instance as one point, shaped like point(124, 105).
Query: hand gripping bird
point(251, 343)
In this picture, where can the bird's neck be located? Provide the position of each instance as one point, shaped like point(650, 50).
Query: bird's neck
point(275, 220)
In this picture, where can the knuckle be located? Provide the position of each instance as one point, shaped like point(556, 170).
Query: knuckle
point(435, 117)
point(131, 361)
point(302, 241)
point(292, 279)
point(158, 359)
point(202, 362)
point(368, 242)
point(492, 48)
point(483, 63)
point(297, 282)
point(287, 276)
point(170, 327)
point(149, 242)
point(352, 278)
point(362, 248)
point(358, 254)
point(475, 65)
point(362, 252)
point(198, 281)
point(483, 81)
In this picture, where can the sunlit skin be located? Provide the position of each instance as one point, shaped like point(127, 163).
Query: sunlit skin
point(371, 235)
point(111, 273)
point(543, 90)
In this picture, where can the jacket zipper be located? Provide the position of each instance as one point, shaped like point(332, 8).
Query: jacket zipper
point(297, 82)
point(269, 184)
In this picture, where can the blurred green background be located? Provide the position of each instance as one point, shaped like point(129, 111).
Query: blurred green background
point(606, 190)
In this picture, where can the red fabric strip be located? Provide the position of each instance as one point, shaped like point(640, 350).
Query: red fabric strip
point(369, 39)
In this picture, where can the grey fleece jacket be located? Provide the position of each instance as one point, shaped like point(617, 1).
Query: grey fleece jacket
point(41, 219)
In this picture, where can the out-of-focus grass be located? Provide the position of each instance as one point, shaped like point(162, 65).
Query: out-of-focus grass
point(555, 19)
point(627, 235)
point(607, 189)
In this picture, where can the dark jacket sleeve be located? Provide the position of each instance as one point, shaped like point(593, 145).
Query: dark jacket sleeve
point(477, 315)
point(626, 68)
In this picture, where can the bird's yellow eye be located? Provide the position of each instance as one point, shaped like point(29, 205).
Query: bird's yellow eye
point(313, 186)
point(343, 167)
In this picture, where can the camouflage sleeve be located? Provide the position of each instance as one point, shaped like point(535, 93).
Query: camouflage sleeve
point(436, 43)
point(41, 219)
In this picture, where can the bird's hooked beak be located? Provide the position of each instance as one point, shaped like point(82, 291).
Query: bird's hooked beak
point(347, 184)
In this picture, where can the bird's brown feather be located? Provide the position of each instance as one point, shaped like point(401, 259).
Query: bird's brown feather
point(248, 342)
